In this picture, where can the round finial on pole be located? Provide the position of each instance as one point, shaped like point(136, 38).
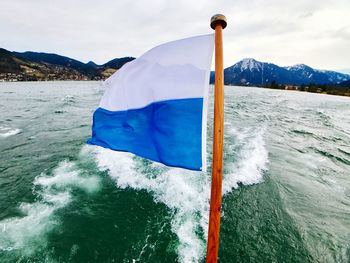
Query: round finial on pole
point(218, 20)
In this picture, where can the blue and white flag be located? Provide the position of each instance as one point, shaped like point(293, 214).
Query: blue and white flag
point(156, 105)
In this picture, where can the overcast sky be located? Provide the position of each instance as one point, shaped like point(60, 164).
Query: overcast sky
point(284, 32)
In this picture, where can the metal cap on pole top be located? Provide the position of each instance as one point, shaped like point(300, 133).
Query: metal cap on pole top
point(217, 22)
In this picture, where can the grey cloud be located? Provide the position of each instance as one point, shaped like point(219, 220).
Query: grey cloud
point(306, 15)
point(284, 32)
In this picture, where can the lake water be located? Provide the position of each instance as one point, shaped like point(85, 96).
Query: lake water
point(286, 182)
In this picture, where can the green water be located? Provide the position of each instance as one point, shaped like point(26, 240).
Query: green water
point(286, 183)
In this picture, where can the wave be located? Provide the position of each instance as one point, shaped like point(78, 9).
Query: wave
point(250, 164)
point(186, 193)
point(53, 192)
point(343, 151)
point(331, 156)
point(8, 131)
point(68, 99)
point(302, 132)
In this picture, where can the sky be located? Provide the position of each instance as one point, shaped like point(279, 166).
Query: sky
point(284, 32)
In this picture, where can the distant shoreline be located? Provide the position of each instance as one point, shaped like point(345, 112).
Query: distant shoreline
point(312, 88)
point(324, 93)
point(317, 89)
point(58, 80)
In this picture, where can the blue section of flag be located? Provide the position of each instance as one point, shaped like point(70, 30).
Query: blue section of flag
point(169, 132)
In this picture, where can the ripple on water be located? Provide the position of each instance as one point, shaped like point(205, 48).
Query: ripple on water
point(343, 151)
point(6, 131)
point(69, 99)
point(302, 132)
point(331, 156)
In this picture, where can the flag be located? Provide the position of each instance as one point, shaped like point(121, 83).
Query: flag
point(156, 105)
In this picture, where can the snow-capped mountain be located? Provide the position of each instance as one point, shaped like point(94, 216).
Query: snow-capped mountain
point(318, 76)
point(252, 72)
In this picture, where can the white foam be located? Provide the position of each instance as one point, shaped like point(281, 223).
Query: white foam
point(8, 131)
point(67, 175)
point(28, 232)
point(185, 192)
point(69, 99)
point(252, 162)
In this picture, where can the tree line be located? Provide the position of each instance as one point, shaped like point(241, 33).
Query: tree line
point(312, 87)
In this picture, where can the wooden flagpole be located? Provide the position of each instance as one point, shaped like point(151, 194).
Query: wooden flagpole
point(218, 23)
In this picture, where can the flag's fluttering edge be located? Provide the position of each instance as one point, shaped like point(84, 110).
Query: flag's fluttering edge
point(156, 105)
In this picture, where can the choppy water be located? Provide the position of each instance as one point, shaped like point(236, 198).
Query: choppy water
point(286, 183)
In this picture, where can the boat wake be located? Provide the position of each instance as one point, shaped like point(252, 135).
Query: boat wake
point(28, 232)
point(186, 193)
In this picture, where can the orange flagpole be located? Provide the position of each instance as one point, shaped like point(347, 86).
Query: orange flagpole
point(218, 23)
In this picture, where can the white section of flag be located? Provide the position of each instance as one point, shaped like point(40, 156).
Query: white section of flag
point(174, 70)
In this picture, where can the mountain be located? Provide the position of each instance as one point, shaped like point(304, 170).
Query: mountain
point(113, 65)
point(92, 64)
point(14, 67)
point(345, 83)
point(45, 66)
point(252, 72)
point(8, 63)
point(55, 59)
point(310, 75)
point(117, 63)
